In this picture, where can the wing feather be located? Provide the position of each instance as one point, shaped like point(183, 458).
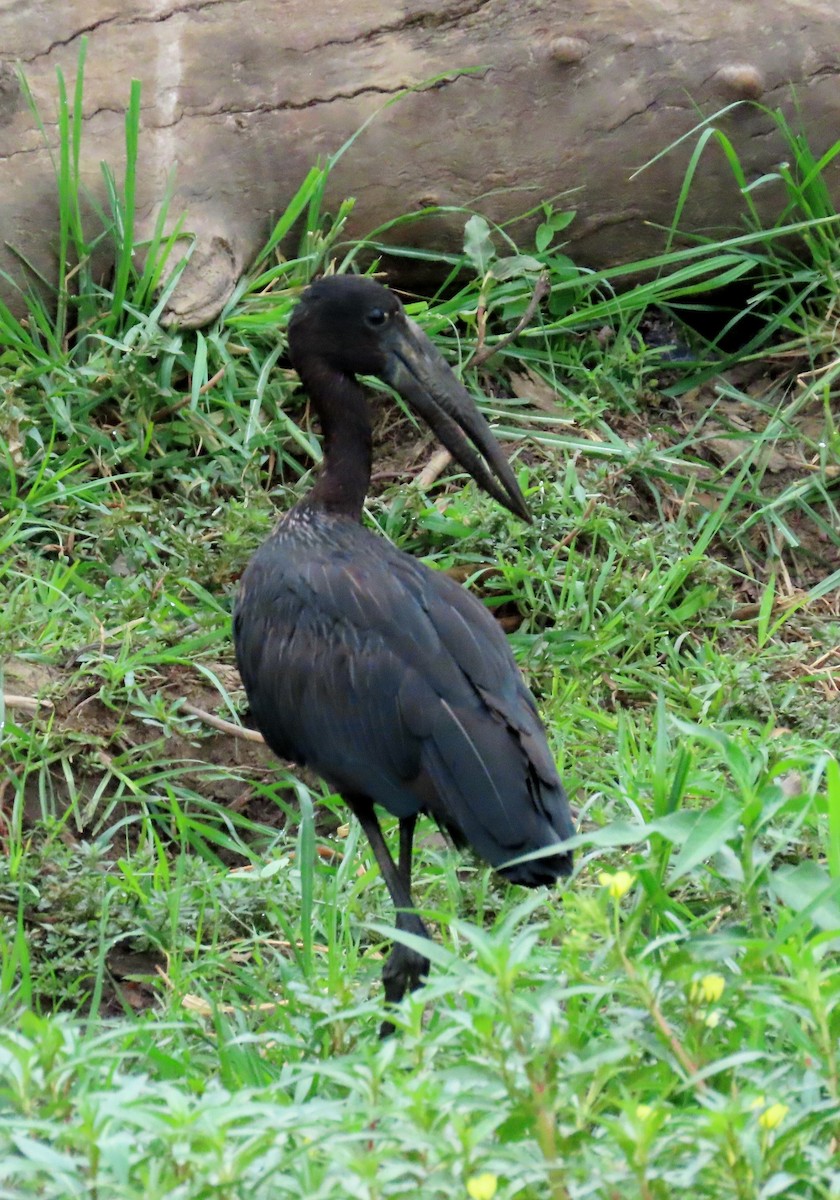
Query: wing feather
point(381, 674)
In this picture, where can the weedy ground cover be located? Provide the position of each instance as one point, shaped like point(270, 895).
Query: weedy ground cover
point(191, 933)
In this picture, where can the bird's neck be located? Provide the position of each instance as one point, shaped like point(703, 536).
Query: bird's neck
point(342, 484)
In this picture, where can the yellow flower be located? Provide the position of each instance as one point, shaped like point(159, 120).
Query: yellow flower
point(711, 988)
point(617, 885)
point(482, 1187)
point(773, 1116)
point(643, 1111)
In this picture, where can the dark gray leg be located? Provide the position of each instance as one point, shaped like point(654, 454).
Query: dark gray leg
point(407, 826)
point(404, 969)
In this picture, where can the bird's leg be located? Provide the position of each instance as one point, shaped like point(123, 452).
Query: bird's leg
point(407, 826)
point(408, 967)
point(405, 968)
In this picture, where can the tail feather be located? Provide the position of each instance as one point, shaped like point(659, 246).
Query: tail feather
point(489, 796)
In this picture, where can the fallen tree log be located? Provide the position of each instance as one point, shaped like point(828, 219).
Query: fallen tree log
point(239, 97)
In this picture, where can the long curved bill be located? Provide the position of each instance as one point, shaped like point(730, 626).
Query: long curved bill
point(426, 382)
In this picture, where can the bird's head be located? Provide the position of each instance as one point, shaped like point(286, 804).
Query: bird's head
point(355, 326)
point(345, 321)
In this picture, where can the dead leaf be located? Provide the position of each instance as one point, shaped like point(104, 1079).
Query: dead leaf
point(531, 386)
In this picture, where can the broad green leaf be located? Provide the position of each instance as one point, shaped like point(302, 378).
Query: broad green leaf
point(712, 829)
point(808, 888)
point(478, 244)
point(561, 220)
point(515, 265)
point(543, 237)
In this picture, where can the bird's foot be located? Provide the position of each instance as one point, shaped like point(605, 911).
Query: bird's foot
point(405, 971)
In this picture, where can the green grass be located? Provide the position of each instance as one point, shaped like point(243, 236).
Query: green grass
point(189, 992)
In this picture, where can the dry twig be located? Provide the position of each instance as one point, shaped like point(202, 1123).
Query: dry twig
point(249, 735)
point(27, 703)
point(484, 352)
point(435, 467)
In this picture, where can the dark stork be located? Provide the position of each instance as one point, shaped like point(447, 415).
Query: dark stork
point(388, 679)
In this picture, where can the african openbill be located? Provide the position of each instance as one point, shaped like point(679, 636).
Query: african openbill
point(388, 679)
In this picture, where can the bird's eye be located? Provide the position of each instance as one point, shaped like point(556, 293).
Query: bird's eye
point(377, 317)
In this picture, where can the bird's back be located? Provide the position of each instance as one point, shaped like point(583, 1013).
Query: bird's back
point(393, 682)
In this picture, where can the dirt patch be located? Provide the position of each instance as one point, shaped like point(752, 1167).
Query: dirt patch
point(96, 739)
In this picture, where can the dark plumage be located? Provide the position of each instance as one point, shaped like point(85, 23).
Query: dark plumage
point(388, 679)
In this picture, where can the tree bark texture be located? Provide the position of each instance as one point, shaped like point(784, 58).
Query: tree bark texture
point(241, 96)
